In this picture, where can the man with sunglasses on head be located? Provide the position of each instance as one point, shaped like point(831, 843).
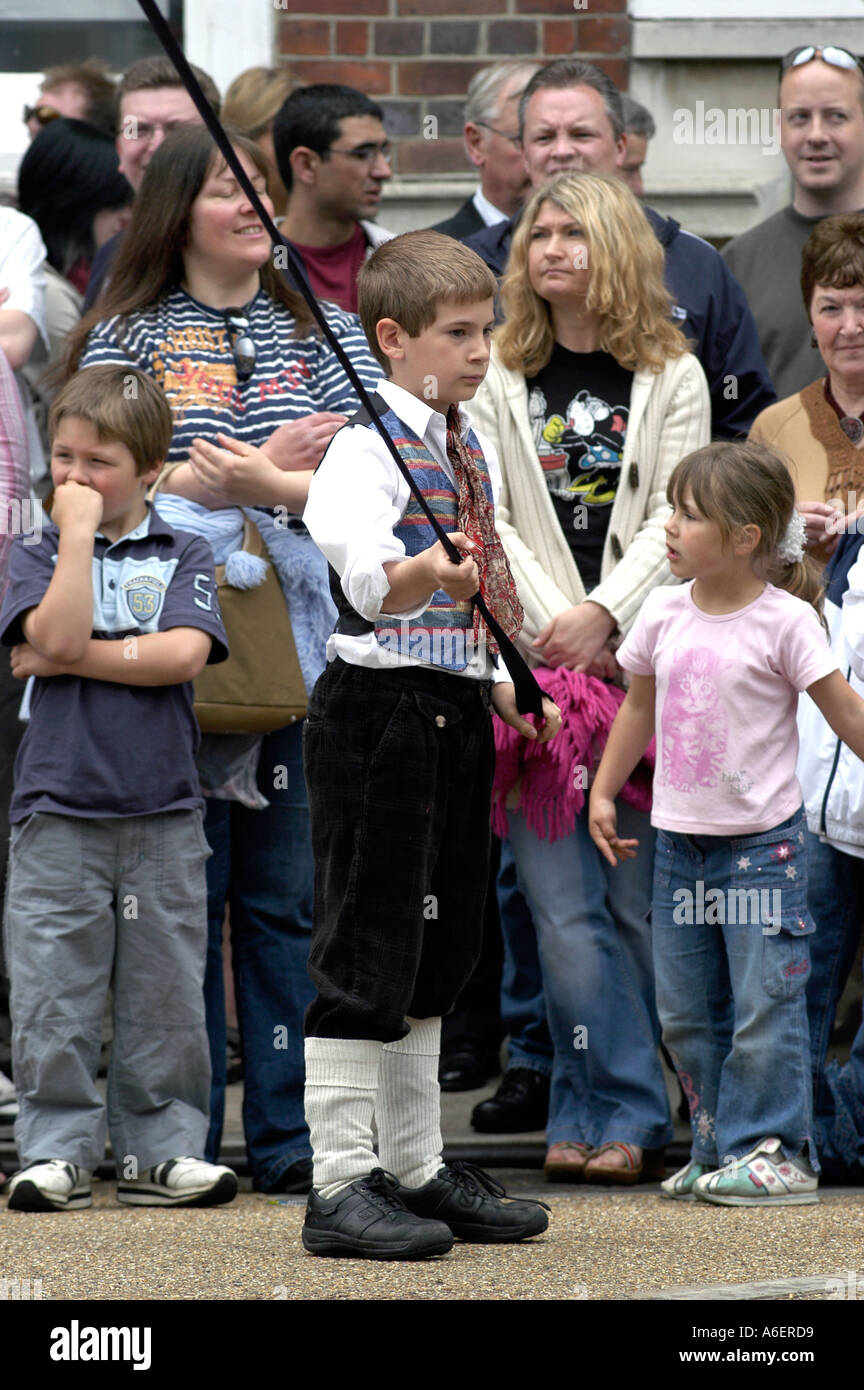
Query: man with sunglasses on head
point(822, 138)
point(82, 91)
point(492, 143)
point(333, 157)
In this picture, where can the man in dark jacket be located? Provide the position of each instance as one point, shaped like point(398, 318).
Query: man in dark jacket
point(570, 117)
point(492, 144)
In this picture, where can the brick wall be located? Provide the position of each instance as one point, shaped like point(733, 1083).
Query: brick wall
point(416, 57)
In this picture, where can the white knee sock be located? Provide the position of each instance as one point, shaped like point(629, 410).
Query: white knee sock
point(408, 1111)
point(341, 1085)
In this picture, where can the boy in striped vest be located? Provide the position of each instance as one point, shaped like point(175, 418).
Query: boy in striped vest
point(399, 758)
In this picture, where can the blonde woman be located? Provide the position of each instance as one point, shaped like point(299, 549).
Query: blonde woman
point(591, 400)
point(250, 105)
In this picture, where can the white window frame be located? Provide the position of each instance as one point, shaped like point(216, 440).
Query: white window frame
point(227, 38)
point(819, 13)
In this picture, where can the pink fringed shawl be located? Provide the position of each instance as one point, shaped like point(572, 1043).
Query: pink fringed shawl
point(553, 775)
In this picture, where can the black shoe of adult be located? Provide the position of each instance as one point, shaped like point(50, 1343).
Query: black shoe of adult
point(467, 1068)
point(368, 1220)
point(475, 1207)
point(520, 1103)
point(296, 1178)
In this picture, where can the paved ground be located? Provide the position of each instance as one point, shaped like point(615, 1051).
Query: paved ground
point(601, 1245)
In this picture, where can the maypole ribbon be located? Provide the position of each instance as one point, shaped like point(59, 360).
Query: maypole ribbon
point(529, 696)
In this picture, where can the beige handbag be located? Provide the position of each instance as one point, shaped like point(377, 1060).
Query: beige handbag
point(260, 687)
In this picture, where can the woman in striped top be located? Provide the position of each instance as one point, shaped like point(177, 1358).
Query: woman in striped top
point(256, 394)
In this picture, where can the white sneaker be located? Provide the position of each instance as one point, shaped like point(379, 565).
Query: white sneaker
point(762, 1178)
point(180, 1182)
point(50, 1184)
point(680, 1185)
point(8, 1102)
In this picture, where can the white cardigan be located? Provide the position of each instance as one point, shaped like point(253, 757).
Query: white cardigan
point(670, 416)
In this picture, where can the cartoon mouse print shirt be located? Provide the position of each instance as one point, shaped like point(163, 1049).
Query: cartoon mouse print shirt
point(579, 405)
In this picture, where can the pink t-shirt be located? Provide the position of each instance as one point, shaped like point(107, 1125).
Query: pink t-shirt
point(727, 694)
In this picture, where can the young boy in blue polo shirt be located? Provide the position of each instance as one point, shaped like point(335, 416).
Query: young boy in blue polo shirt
point(399, 756)
point(114, 613)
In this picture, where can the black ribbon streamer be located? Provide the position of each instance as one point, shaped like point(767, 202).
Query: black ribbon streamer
point(529, 696)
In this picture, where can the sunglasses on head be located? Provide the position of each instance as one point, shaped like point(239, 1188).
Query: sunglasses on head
point(832, 55)
point(242, 346)
point(41, 113)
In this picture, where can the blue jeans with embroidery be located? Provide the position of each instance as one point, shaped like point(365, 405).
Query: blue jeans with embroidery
point(262, 866)
point(731, 957)
point(594, 944)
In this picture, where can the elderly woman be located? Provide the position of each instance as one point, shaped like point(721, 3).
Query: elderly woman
point(591, 399)
point(820, 431)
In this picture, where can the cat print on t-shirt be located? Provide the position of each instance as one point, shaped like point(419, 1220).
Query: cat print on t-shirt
point(694, 722)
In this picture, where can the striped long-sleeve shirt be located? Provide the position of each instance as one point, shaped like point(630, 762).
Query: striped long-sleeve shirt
point(186, 346)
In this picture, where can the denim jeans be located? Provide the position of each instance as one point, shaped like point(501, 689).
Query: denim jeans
point(523, 1003)
point(595, 950)
point(262, 867)
point(835, 898)
point(731, 993)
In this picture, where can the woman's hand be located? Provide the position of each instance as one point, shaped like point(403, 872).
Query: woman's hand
point(504, 704)
point(825, 524)
point(575, 637)
point(603, 826)
point(301, 443)
point(235, 474)
point(26, 661)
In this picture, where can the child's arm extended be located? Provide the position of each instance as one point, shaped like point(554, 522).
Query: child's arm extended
point(843, 709)
point(59, 627)
point(628, 738)
point(157, 658)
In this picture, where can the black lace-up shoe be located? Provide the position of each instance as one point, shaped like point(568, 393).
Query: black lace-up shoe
point(521, 1103)
point(475, 1206)
point(368, 1219)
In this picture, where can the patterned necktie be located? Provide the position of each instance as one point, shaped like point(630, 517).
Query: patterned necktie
point(477, 522)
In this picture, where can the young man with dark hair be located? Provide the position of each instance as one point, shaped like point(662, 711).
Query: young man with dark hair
point(333, 157)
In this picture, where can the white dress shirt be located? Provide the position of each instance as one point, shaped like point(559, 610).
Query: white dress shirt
point(356, 498)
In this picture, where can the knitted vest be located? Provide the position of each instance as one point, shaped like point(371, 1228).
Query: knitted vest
point(443, 634)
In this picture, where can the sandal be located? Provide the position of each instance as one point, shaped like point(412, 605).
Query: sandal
point(565, 1161)
point(621, 1174)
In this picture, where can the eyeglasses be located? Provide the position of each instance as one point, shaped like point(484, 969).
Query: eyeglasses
point(835, 57)
point(242, 346)
point(133, 129)
point(43, 114)
point(514, 139)
point(366, 154)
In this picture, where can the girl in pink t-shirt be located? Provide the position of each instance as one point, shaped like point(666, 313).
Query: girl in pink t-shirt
point(716, 669)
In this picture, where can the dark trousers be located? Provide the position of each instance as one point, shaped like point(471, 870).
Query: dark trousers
point(399, 771)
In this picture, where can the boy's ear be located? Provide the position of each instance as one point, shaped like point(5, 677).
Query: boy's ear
point(152, 473)
point(390, 337)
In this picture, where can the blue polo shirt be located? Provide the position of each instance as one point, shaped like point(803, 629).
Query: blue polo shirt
point(98, 748)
